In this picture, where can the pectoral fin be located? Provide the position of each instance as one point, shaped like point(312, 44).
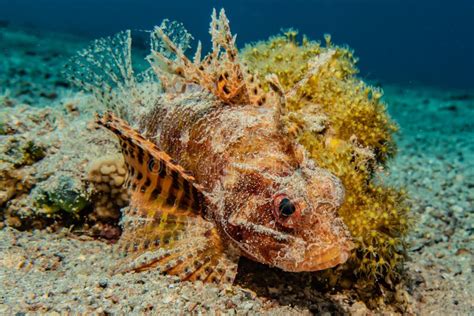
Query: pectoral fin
point(164, 227)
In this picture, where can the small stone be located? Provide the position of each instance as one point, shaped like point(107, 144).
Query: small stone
point(115, 299)
point(229, 304)
point(439, 255)
point(462, 251)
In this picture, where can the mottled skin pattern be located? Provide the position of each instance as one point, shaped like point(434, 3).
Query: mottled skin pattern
point(246, 167)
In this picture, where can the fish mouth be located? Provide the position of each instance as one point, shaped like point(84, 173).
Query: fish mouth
point(331, 257)
point(316, 259)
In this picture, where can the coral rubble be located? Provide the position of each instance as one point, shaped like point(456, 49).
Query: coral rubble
point(44, 158)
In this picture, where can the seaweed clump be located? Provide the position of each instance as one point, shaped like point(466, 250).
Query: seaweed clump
point(354, 140)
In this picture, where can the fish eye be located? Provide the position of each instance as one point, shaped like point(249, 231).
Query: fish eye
point(286, 207)
point(286, 211)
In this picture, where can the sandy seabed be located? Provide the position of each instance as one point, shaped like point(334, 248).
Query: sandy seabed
point(61, 272)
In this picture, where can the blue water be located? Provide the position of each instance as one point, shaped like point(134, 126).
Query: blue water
point(429, 42)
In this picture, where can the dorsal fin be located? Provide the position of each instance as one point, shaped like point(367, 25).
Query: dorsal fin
point(220, 72)
point(164, 226)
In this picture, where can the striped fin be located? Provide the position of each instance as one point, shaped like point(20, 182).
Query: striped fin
point(164, 227)
point(197, 254)
point(153, 178)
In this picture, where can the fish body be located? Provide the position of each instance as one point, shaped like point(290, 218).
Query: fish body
point(213, 176)
point(244, 166)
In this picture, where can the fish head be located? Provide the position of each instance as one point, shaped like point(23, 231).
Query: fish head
point(287, 217)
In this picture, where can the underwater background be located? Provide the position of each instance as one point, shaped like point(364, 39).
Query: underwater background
point(52, 159)
point(399, 41)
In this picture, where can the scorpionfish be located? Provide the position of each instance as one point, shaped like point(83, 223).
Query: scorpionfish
point(214, 174)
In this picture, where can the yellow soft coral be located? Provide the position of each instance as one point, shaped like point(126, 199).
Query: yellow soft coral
point(355, 143)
